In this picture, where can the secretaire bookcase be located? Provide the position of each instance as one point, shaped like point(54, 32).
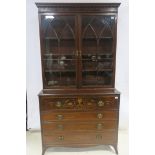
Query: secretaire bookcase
point(79, 105)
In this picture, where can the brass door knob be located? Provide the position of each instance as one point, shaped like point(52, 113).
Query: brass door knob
point(61, 137)
point(60, 117)
point(99, 116)
point(99, 126)
point(58, 104)
point(100, 103)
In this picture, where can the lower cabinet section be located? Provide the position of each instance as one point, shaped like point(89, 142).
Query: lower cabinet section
point(108, 137)
point(79, 121)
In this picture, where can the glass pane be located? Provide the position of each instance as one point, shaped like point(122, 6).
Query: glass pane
point(97, 50)
point(59, 59)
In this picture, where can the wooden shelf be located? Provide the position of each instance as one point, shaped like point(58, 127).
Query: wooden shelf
point(59, 54)
point(89, 38)
point(59, 39)
point(59, 59)
point(105, 38)
point(97, 70)
point(97, 53)
point(97, 59)
point(59, 70)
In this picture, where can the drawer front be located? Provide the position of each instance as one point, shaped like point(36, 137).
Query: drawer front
point(49, 128)
point(79, 103)
point(48, 117)
point(80, 138)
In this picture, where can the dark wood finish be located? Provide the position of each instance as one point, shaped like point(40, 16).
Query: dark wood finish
point(79, 105)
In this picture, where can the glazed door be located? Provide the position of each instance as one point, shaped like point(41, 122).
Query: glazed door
point(59, 46)
point(97, 47)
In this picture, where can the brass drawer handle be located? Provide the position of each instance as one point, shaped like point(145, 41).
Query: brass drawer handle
point(98, 137)
point(60, 117)
point(70, 104)
point(99, 126)
point(89, 104)
point(99, 116)
point(61, 137)
point(58, 104)
point(60, 127)
point(100, 103)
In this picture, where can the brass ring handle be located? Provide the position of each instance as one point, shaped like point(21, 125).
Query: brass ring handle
point(61, 137)
point(60, 117)
point(100, 103)
point(58, 104)
point(70, 103)
point(99, 116)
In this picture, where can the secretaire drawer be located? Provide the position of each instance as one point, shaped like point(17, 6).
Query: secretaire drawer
point(79, 103)
point(80, 138)
point(74, 116)
point(50, 127)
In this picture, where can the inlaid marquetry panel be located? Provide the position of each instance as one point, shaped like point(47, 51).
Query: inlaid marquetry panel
point(79, 103)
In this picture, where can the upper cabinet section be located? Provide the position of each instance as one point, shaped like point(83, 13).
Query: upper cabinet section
point(78, 44)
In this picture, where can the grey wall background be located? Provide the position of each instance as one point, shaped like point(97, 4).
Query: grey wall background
point(33, 64)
